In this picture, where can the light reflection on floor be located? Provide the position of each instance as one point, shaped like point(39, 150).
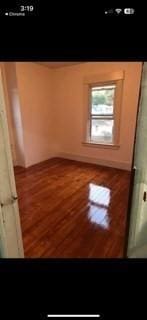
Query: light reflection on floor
point(99, 200)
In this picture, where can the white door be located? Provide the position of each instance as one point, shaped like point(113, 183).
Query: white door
point(10, 231)
point(137, 247)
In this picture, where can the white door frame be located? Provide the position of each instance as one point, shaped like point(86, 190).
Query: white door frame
point(11, 245)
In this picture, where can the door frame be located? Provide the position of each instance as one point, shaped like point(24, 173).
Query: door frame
point(11, 245)
point(132, 178)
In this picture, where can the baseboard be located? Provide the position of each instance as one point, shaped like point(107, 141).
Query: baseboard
point(70, 156)
point(31, 164)
point(107, 163)
point(41, 161)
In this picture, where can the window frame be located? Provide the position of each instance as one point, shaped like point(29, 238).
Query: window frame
point(100, 117)
point(111, 79)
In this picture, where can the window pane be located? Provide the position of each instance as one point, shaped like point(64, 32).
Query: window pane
point(102, 130)
point(102, 100)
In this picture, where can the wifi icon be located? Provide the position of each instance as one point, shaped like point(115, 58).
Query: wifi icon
point(118, 10)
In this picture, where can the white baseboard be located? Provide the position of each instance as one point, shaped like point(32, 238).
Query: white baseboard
point(102, 162)
point(49, 156)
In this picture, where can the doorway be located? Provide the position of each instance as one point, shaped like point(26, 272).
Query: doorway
point(68, 190)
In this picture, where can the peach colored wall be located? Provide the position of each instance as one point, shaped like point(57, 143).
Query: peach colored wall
point(68, 111)
point(35, 88)
point(51, 111)
point(14, 115)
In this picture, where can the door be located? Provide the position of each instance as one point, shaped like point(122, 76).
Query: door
point(10, 230)
point(137, 245)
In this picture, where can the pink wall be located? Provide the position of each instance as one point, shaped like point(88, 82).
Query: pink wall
point(52, 111)
point(69, 108)
point(35, 89)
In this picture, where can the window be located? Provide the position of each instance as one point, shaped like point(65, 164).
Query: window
point(102, 113)
point(103, 97)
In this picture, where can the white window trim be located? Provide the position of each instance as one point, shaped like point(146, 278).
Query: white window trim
point(98, 80)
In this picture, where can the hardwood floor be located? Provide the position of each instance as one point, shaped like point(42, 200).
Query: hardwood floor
point(72, 209)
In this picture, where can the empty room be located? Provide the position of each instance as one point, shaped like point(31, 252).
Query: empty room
point(72, 130)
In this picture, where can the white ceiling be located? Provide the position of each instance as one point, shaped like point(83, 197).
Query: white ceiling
point(56, 64)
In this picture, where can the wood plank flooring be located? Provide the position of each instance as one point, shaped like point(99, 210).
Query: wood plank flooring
point(70, 209)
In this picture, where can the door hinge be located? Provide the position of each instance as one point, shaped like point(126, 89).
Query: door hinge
point(9, 201)
point(144, 196)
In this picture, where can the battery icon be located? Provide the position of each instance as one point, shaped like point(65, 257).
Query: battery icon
point(129, 11)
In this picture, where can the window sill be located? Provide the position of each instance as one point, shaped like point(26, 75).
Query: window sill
point(101, 145)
